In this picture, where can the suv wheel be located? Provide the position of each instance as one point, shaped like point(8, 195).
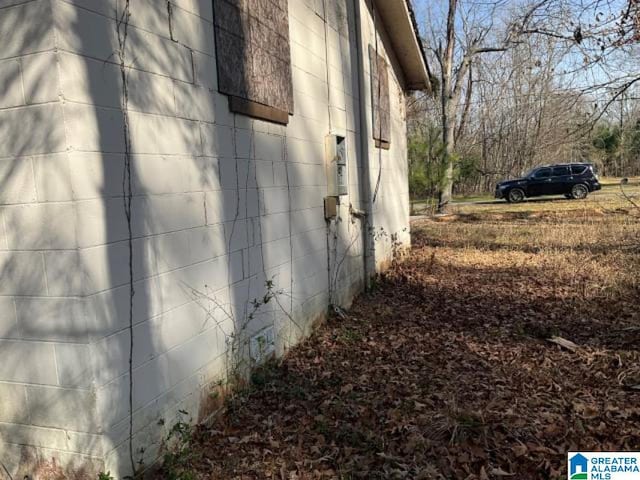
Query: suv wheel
point(579, 191)
point(515, 195)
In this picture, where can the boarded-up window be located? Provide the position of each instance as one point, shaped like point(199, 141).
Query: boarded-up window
point(254, 57)
point(380, 99)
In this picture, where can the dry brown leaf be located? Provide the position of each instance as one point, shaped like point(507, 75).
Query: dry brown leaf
point(564, 343)
point(498, 472)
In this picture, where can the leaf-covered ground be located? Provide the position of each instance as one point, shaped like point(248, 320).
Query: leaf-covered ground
point(446, 370)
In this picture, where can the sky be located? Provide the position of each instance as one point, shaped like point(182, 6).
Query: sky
point(620, 64)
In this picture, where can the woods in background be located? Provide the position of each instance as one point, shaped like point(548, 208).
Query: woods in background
point(524, 85)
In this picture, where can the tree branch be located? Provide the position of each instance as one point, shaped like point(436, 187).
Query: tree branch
point(467, 105)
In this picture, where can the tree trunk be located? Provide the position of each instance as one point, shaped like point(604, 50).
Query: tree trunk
point(448, 109)
point(448, 136)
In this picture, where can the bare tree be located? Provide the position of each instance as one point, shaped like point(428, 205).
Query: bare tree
point(524, 82)
point(464, 40)
point(604, 38)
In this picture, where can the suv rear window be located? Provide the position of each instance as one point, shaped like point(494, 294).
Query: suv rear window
point(559, 171)
point(542, 173)
point(578, 169)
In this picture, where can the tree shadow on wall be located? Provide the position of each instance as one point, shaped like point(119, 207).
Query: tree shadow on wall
point(167, 192)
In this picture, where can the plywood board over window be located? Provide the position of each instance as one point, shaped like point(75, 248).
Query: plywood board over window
point(380, 99)
point(254, 57)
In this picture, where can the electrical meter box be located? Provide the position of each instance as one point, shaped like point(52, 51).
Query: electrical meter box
point(336, 161)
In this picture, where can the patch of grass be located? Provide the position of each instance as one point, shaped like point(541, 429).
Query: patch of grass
point(615, 181)
point(536, 330)
point(180, 455)
point(582, 252)
point(469, 420)
point(473, 198)
point(349, 335)
point(455, 426)
point(264, 374)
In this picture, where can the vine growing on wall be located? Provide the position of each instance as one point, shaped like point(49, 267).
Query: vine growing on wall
point(122, 30)
point(237, 353)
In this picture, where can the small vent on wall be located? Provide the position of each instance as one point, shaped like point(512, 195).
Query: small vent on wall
point(262, 345)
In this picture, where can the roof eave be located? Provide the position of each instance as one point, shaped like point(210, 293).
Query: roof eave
point(402, 27)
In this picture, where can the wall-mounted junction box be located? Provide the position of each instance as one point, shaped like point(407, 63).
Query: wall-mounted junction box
point(262, 345)
point(330, 207)
point(336, 161)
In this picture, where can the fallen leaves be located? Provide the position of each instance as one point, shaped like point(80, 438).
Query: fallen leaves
point(448, 372)
point(564, 343)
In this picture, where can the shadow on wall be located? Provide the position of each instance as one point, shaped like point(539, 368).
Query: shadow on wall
point(148, 182)
point(180, 218)
point(66, 267)
point(164, 207)
point(43, 333)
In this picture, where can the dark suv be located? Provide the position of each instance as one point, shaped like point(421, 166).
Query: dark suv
point(573, 180)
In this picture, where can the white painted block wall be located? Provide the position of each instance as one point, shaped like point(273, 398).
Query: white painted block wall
point(221, 204)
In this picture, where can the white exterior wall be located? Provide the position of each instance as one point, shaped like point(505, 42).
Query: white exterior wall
point(388, 169)
point(221, 204)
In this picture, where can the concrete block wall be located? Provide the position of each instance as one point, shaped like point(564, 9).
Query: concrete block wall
point(48, 412)
point(388, 169)
point(220, 205)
